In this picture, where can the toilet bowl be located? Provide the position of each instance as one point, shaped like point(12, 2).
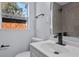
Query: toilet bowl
point(27, 53)
point(23, 54)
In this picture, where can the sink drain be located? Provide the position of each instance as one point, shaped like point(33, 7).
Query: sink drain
point(56, 52)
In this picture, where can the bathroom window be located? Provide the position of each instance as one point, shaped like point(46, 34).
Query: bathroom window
point(14, 15)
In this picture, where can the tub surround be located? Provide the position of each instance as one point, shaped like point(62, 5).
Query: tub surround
point(18, 40)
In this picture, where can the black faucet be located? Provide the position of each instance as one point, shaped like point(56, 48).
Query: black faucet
point(60, 39)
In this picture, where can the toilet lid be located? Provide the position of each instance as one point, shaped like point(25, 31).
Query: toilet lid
point(23, 54)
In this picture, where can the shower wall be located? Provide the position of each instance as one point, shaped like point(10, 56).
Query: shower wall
point(43, 22)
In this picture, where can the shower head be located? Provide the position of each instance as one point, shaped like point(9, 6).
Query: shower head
point(39, 15)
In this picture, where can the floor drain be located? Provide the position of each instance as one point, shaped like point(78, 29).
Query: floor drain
point(56, 52)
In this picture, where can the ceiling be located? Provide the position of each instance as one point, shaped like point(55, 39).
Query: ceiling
point(62, 3)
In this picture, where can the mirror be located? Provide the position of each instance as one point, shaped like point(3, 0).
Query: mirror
point(66, 18)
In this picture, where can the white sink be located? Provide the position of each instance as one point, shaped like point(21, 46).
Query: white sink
point(51, 47)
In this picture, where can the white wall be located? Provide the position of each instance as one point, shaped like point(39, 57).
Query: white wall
point(43, 22)
point(18, 40)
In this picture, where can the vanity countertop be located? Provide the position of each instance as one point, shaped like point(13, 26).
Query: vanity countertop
point(49, 47)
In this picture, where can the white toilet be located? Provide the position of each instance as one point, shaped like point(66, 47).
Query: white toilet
point(27, 53)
